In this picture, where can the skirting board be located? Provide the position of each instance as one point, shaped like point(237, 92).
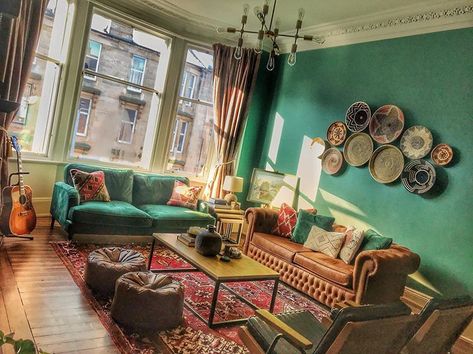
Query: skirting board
point(417, 300)
point(41, 205)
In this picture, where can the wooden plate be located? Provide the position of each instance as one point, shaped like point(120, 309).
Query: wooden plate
point(358, 149)
point(442, 154)
point(386, 124)
point(337, 133)
point(319, 146)
point(358, 116)
point(386, 164)
point(418, 176)
point(416, 142)
point(332, 161)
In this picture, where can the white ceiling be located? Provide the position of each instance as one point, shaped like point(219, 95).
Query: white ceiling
point(339, 21)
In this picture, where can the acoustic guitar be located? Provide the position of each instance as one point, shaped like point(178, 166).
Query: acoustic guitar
point(18, 216)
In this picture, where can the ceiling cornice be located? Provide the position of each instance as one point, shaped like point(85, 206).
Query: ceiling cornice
point(431, 16)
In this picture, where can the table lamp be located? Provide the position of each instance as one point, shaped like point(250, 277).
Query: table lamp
point(232, 184)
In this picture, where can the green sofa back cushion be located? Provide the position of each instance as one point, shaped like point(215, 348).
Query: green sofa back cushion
point(154, 189)
point(374, 241)
point(119, 182)
point(305, 221)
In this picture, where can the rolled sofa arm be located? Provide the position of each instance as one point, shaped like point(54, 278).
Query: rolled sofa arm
point(259, 220)
point(380, 275)
point(64, 198)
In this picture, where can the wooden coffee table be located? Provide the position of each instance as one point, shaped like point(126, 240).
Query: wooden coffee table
point(237, 270)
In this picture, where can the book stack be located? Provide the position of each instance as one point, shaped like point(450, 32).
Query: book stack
point(217, 203)
point(187, 239)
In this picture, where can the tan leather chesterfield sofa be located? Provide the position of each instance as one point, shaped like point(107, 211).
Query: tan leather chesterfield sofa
point(376, 277)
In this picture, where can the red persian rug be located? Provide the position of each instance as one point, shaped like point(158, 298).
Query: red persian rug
point(193, 336)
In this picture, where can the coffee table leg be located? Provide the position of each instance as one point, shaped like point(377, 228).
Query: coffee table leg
point(213, 304)
point(275, 293)
point(150, 257)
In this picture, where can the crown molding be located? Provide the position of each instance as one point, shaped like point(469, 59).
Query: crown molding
point(427, 17)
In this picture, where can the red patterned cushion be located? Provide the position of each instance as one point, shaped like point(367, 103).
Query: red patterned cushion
point(91, 186)
point(184, 196)
point(287, 219)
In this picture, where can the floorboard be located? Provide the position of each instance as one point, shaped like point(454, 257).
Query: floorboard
point(40, 301)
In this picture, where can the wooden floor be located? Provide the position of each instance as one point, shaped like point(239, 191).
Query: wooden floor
point(40, 301)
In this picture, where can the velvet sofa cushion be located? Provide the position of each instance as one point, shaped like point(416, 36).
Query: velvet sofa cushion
point(374, 241)
point(154, 189)
point(332, 269)
point(306, 220)
point(115, 212)
point(166, 218)
point(119, 182)
point(277, 245)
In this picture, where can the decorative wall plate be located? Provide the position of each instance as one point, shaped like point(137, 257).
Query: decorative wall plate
point(332, 161)
point(337, 133)
point(418, 176)
point(442, 154)
point(416, 142)
point(386, 164)
point(319, 146)
point(358, 149)
point(386, 124)
point(358, 116)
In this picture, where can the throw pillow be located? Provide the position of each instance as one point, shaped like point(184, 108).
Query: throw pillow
point(353, 239)
point(374, 241)
point(305, 221)
point(328, 243)
point(91, 186)
point(184, 196)
point(287, 218)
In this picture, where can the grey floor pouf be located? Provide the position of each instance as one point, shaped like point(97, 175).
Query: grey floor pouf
point(145, 301)
point(104, 266)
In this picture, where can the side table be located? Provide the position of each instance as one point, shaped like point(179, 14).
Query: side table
point(226, 220)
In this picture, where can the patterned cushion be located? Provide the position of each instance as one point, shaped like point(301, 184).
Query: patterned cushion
point(353, 240)
point(184, 196)
point(328, 243)
point(287, 219)
point(91, 186)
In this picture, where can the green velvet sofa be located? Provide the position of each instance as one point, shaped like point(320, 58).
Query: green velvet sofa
point(137, 206)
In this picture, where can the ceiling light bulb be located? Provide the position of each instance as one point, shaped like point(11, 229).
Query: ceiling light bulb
point(271, 62)
point(237, 53)
point(259, 46)
point(291, 60)
point(246, 9)
point(221, 29)
point(301, 14)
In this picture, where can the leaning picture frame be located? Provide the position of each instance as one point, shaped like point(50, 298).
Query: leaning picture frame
point(264, 186)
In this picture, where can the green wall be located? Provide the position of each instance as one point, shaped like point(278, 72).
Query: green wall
point(430, 77)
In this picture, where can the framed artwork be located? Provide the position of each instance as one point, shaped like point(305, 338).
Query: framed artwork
point(265, 185)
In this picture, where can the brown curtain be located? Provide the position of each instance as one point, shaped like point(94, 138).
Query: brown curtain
point(24, 35)
point(233, 83)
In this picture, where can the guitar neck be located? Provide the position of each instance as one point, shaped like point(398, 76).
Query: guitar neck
point(21, 182)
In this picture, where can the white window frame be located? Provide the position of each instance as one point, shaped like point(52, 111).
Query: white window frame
point(185, 124)
point(132, 88)
point(87, 115)
point(90, 77)
point(184, 84)
point(133, 125)
point(174, 135)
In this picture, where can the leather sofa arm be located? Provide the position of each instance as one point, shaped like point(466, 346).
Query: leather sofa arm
point(380, 275)
point(259, 220)
point(64, 198)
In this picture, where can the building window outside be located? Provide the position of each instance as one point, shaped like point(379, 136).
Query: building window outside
point(117, 135)
point(191, 144)
point(34, 118)
point(85, 106)
point(128, 126)
point(92, 58)
point(137, 72)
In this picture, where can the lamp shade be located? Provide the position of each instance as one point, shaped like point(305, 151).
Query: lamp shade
point(233, 184)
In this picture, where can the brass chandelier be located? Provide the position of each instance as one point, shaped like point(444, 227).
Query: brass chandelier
point(269, 32)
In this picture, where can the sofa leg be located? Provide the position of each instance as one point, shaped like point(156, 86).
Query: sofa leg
point(52, 223)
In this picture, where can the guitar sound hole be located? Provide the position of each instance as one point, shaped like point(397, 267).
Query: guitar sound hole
point(23, 199)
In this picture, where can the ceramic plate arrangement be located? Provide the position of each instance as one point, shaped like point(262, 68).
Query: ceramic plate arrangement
point(337, 133)
point(332, 161)
point(442, 154)
point(358, 116)
point(416, 142)
point(358, 149)
point(386, 124)
point(418, 176)
point(386, 164)
point(319, 145)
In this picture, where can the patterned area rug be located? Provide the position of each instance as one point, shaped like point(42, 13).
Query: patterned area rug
point(193, 336)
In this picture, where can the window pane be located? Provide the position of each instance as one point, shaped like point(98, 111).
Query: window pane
point(118, 124)
point(83, 120)
point(123, 51)
point(51, 39)
point(197, 77)
point(32, 122)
